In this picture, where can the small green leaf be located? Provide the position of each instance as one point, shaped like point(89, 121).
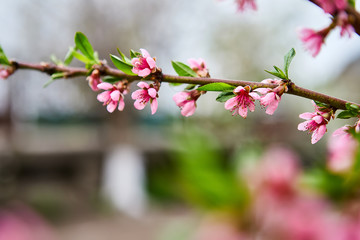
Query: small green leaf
point(122, 66)
point(287, 60)
point(3, 59)
point(69, 55)
point(58, 75)
point(134, 54)
point(279, 71)
point(224, 96)
point(123, 57)
point(111, 79)
point(221, 87)
point(353, 107)
point(83, 44)
point(55, 60)
point(175, 84)
point(276, 74)
point(183, 70)
point(190, 86)
point(81, 57)
point(346, 114)
point(48, 83)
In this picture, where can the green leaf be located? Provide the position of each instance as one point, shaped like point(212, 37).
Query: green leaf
point(58, 75)
point(221, 87)
point(287, 60)
point(351, 106)
point(3, 59)
point(83, 44)
point(183, 70)
point(279, 71)
point(346, 114)
point(111, 79)
point(134, 54)
point(55, 60)
point(122, 66)
point(276, 74)
point(123, 57)
point(81, 57)
point(69, 55)
point(48, 83)
point(224, 96)
point(352, 3)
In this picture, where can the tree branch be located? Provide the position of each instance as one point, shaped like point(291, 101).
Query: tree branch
point(105, 70)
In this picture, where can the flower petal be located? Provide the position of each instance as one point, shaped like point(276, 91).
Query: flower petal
point(307, 115)
point(139, 104)
point(104, 96)
point(151, 62)
point(152, 92)
point(115, 95)
point(188, 109)
point(154, 105)
point(231, 103)
point(111, 106)
point(144, 53)
point(143, 85)
point(105, 86)
point(121, 104)
point(318, 134)
point(144, 72)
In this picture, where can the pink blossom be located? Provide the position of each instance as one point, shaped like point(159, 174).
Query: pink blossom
point(113, 96)
point(143, 65)
point(5, 73)
point(270, 99)
point(243, 4)
point(332, 6)
point(312, 40)
point(94, 79)
point(144, 95)
point(243, 100)
point(199, 66)
point(316, 122)
point(186, 101)
point(342, 148)
point(343, 23)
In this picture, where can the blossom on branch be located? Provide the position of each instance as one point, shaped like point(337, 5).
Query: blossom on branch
point(113, 96)
point(143, 65)
point(271, 97)
point(186, 101)
point(5, 73)
point(147, 93)
point(243, 100)
point(199, 66)
point(94, 79)
point(316, 122)
point(312, 40)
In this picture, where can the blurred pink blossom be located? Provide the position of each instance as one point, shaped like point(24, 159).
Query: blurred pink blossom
point(246, 4)
point(23, 224)
point(342, 148)
point(147, 93)
point(343, 23)
point(186, 101)
point(143, 65)
point(332, 6)
point(243, 100)
point(94, 79)
point(113, 96)
point(199, 66)
point(312, 40)
point(5, 73)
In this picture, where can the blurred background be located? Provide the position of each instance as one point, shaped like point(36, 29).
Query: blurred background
point(86, 174)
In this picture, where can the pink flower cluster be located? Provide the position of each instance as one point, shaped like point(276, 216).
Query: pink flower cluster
point(94, 80)
point(147, 93)
point(113, 96)
point(186, 101)
point(316, 122)
point(199, 66)
point(245, 99)
point(281, 209)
